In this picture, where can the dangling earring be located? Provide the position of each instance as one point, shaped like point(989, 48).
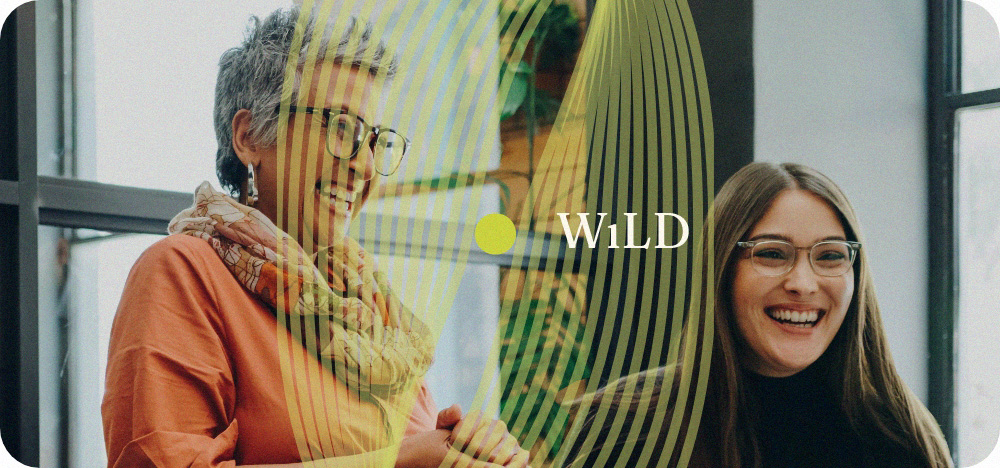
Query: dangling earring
point(252, 194)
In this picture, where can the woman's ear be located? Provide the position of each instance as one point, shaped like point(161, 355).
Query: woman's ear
point(243, 144)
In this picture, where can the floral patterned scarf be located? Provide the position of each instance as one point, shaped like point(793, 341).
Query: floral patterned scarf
point(375, 345)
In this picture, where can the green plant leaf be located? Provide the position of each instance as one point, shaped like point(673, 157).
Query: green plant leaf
point(518, 88)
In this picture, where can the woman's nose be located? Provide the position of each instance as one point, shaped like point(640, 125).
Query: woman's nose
point(802, 280)
point(363, 163)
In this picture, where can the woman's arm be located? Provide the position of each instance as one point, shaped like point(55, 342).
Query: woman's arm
point(170, 396)
point(384, 457)
point(425, 450)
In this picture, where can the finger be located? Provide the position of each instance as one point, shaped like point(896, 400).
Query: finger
point(483, 441)
point(505, 451)
point(472, 422)
point(449, 416)
point(520, 460)
point(456, 459)
point(492, 442)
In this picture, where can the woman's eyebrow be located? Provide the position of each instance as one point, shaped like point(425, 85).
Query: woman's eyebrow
point(772, 237)
point(361, 114)
point(789, 239)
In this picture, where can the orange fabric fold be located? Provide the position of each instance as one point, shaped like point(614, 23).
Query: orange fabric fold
point(192, 353)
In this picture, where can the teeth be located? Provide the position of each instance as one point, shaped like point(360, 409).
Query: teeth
point(330, 190)
point(798, 318)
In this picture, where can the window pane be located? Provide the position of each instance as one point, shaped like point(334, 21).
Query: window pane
point(81, 276)
point(147, 87)
point(146, 83)
point(978, 228)
point(980, 45)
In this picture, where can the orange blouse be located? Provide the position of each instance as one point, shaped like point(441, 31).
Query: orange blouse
point(194, 376)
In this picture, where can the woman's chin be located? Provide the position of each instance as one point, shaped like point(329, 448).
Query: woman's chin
point(781, 358)
point(338, 229)
point(337, 217)
point(790, 362)
point(335, 231)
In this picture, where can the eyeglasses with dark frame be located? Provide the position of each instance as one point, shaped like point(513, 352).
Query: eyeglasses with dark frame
point(828, 258)
point(346, 132)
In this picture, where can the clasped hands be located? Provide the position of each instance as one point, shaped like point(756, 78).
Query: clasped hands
point(470, 442)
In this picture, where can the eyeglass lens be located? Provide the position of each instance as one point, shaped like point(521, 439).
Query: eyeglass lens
point(347, 133)
point(773, 258)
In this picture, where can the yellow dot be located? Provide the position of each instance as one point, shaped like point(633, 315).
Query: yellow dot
point(495, 233)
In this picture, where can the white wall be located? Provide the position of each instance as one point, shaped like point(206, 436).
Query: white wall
point(840, 87)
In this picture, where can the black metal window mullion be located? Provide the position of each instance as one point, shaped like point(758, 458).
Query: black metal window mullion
point(944, 100)
point(943, 78)
point(10, 426)
point(957, 101)
point(25, 401)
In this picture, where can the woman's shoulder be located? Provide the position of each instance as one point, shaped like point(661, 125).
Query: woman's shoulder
point(180, 258)
point(177, 247)
point(647, 399)
point(180, 283)
point(178, 267)
point(634, 391)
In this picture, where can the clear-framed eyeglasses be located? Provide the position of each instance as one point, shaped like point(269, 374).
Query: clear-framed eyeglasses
point(777, 257)
point(346, 132)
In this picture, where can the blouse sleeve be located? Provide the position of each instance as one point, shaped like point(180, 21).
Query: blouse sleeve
point(169, 398)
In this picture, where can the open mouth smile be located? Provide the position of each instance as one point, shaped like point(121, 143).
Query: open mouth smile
point(336, 194)
point(795, 318)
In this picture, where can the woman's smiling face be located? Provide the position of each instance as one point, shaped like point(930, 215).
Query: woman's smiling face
point(763, 304)
point(321, 192)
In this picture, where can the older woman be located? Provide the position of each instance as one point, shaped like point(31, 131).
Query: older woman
point(258, 333)
point(801, 373)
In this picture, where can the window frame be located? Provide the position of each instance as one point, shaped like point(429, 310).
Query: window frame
point(17, 193)
point(944, 100)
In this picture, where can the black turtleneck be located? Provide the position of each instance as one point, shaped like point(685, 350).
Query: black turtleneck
point(800, 424)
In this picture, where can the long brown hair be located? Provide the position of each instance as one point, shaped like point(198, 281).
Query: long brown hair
point(861, 371)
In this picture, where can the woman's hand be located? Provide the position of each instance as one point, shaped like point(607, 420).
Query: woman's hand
point(424, 450)
point(487, 440)
point(473, 442)
point(449, 417)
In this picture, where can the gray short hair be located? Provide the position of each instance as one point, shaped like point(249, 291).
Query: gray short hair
point(251, 77)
